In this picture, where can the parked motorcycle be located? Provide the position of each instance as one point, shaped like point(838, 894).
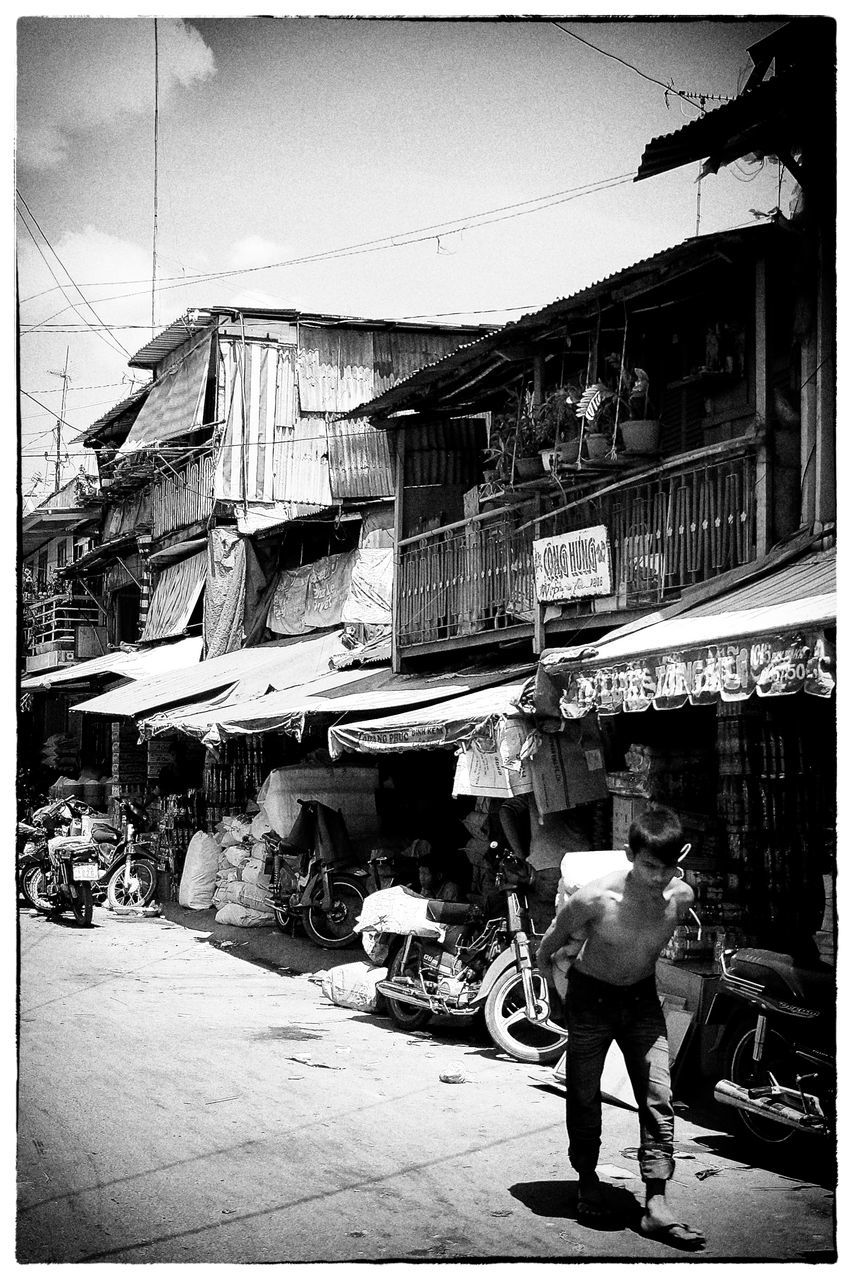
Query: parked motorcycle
point(316, 880)
point(485, 962)
point(781, 1053)
point(32, 856)
point(129, 866)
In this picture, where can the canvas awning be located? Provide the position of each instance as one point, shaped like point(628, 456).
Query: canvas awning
point(768, 637)
point(333, 695)
point(244, 672)
point(174, 597)
point(175, 405)
point(443, 724)
point(132, 665)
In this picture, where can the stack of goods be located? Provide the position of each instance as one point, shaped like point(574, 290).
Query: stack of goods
point(230, 783)
point(59, 754)
point(694, 942)
point(242, 881)
point(773, 809)
point(180, 816)
point(682, 779)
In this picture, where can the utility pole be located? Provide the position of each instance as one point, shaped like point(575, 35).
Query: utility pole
point(156, 132)
point(57, 457)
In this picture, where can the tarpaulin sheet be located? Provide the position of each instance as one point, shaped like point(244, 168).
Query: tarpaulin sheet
point(135, 665)
point(276, 665)
point(443, 724)
point(174, 597)
point(371, 584)
point(336, 694)
point(233, 578)
point(311, 597)
point(175, 404)
point(766, 638)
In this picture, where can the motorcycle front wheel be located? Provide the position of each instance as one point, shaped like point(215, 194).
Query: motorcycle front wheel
point(407, 1017)
point(33, 887)
point(511, 1029)
point(335, 928)
point(137, 890)
point(777, 1060)
point(82, 904)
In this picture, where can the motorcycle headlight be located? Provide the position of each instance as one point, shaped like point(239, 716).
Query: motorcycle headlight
point(29, 847)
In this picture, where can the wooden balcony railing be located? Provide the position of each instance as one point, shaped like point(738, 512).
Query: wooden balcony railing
point(689, 520)
point(52, 623)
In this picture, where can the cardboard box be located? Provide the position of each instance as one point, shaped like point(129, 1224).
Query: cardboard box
point(479, 772)
point(568, 768)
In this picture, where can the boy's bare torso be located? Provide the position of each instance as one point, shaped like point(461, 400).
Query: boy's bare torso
point(627, 927)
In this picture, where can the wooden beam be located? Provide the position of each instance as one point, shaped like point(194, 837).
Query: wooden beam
point(400, 453)
point(763, 460)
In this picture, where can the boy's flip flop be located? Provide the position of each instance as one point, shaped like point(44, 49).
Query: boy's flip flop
point(678, 1234)
point(594, 1213)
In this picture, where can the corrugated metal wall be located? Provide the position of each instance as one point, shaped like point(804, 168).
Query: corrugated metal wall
point(182, 499)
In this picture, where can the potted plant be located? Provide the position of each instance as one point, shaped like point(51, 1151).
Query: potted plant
point(625, 404)
point(595, 408)
point(640, 429)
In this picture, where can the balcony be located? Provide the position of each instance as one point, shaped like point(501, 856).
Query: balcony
point(686, 521)
point(60, 629)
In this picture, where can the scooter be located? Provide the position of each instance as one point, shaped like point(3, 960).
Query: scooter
point(129, 866)
point(316, 881)
point(780, 1077)
point(485, 962)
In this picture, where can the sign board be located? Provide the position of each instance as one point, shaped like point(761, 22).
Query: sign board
point(571, 566)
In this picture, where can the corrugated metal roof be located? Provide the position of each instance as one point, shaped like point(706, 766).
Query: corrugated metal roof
point(475, 355)
point(272, 666)
point(360, 463)
point(176, 334)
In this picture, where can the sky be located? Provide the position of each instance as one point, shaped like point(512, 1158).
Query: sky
point(290, 137)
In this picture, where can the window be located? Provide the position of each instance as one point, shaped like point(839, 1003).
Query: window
point(62, 553)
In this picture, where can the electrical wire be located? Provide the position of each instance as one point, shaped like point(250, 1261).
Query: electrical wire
point(396, 241)
point(86, 302)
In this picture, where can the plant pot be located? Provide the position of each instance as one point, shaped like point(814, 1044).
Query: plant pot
point(528, 468)
point(640, 435)
point(597, 446)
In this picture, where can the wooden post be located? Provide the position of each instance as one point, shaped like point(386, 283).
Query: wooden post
point(538, 379)
point(764, 456)
point(808, 430)
point(400, 453)
point(539, 638)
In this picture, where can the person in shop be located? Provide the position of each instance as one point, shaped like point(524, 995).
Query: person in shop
point(623, 919)
point(543, 840)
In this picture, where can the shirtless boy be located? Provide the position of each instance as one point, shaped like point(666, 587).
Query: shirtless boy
point(624, 919)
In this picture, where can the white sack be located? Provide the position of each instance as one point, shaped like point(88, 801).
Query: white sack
point(353, 986)
point(238, 855)
point(232, 913)
point(198, 880)
point(398, 910)
point(253, 873)
point(260, 824)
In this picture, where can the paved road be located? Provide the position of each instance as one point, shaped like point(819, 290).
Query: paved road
point(180, 1104)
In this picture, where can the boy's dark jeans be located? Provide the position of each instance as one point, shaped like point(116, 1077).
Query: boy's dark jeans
point(597, 1013)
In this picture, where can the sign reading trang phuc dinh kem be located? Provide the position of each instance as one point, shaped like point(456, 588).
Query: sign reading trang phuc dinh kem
point(570, 566)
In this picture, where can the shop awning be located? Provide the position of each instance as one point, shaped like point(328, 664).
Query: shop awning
point(175, 405)
point(768, 637)
point(245, 672)
point(443, 724)
point(335, 694)
point(174, 597)
point(132, 665)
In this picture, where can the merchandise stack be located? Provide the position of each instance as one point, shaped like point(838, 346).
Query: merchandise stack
point(231, 782)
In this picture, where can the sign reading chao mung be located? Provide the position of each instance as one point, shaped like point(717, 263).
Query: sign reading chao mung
point(572, 565)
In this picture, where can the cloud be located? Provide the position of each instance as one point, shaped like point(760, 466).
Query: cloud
point(79, 75)
point(255, 251)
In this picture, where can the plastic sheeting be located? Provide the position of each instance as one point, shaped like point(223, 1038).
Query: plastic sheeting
point(176, 401)
point(175, 595)
point(312, 597)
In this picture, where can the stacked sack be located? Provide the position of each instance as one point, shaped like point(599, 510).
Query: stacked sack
point(227, 869)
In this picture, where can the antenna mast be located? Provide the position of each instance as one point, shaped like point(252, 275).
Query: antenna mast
point(156, 132)
point(57, 459)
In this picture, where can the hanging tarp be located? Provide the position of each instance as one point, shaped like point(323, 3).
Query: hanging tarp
point(174, 597)
point(175, 405)
point(311, 597)
point(224, 592)
point(446, 723)
point(768, 638)
point(369, 598)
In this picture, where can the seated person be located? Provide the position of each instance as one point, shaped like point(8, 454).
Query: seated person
point(435, 878)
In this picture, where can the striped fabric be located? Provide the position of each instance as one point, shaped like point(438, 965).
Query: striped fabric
point(175, 405)
point(174, 597)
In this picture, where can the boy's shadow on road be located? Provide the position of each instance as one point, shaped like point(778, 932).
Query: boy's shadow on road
point(559, 1199)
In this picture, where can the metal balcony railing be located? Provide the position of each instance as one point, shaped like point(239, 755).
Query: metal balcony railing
point(52, 623)
point(691, 519)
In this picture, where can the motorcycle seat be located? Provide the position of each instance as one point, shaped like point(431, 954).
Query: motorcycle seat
point(69, 845)
point(450, 912)
point(812, 987)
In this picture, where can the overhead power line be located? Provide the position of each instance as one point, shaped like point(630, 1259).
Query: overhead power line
point(398, 240)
